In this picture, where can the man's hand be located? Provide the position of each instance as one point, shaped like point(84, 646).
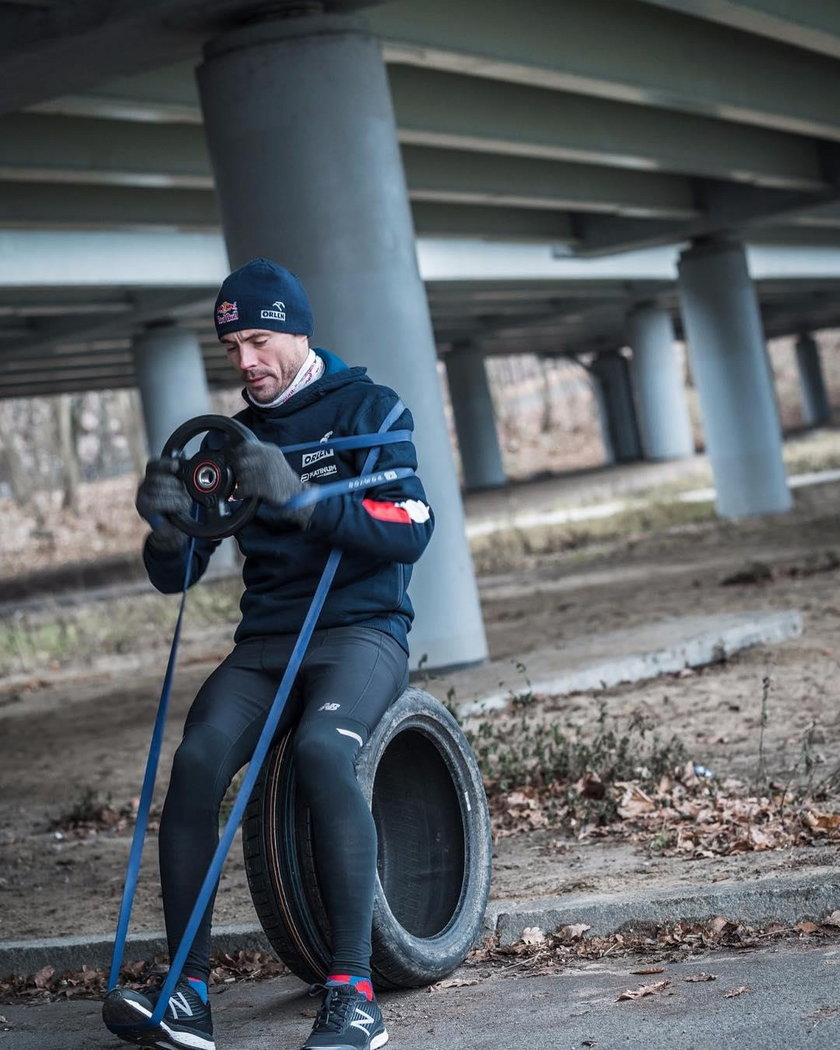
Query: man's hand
point(263, 471)
point(161, 493)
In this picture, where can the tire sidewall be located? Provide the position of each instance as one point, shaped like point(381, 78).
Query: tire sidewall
point(398, 956)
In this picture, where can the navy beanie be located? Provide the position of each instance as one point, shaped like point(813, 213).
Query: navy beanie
point(262, 294)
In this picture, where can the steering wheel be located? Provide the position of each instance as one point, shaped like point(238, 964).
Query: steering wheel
point(209, 477)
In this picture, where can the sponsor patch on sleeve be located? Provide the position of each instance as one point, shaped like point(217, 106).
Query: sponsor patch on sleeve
point(406, 512)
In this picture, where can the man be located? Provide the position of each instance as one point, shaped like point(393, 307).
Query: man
point(354, 668)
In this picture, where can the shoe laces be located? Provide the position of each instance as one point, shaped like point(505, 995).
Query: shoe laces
point(152, 992)
point(339, 1002)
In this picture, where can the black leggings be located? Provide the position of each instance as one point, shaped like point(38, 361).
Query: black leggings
point(349, 677)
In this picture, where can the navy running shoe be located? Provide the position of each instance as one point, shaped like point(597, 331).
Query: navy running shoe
point(186, 1023)
point(347, 1020)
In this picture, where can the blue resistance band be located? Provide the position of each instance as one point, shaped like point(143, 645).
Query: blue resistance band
point(366, 480)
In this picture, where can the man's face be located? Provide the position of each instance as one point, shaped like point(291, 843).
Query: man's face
point(266, 361)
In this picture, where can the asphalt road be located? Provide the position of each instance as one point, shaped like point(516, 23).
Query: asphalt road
point(794, 1002)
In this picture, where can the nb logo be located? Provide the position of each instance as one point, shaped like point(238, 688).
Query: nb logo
point(361, 1020)
point(179, 1002)
point(329, 707)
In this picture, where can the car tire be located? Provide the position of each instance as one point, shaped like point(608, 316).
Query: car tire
point(421, 780)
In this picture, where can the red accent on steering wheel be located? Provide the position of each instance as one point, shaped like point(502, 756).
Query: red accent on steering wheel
point(217, 474)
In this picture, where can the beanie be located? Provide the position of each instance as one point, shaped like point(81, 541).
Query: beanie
point(262, 294)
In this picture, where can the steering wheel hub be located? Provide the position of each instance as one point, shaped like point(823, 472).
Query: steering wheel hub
point(206, 477)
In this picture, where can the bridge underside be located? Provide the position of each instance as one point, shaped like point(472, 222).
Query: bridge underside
point(516, 123)
point(515, 149)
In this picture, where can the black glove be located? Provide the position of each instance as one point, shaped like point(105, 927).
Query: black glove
point(262, 470)
point(160, 493)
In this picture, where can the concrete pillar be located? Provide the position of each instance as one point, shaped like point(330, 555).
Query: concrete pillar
point(172, 381)
point(732, 373)
point(475, 418)
point(303, 144)
point(614, 394)
point(664, 422)
point(816, 409)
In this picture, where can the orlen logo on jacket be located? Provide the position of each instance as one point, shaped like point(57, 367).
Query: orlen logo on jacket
point(315, 457)
point(322, 453)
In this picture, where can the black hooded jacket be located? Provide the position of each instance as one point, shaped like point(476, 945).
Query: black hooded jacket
point(381, 531)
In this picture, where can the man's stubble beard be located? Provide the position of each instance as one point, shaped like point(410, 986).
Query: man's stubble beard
point(281, 384)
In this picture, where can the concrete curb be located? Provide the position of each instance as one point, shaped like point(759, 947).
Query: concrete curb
point(789, 900)
point(72, 953)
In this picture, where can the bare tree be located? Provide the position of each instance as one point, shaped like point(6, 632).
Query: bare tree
point(131, 422)
point(546, 419)
point(19, 481)
point(67, 417)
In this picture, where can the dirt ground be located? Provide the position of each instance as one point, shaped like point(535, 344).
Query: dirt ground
point(84, 726)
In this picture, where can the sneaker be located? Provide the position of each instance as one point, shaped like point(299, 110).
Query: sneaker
point(186, 1023)
point(347, 1020)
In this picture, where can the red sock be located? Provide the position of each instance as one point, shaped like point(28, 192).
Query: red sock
point(361, 984)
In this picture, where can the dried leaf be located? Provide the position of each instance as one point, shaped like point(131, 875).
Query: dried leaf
point(822, 821)
point(42, 978)
point(590, 785)
point(532, 935)
point(806, 927)
point(700, 977)
point(452, 982)
point(740, 990)
point(832, 920)
point(647, 970)
point(635, 802)
point(760, 839)
point(719, 925)
point(644, 990)
point(573, 933)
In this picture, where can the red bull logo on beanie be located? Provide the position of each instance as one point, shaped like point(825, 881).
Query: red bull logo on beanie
point(226, 312)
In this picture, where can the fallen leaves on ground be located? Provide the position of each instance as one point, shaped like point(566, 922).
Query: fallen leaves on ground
point(89, 983)
point(552, 952)
point(740, 990)
point(523, 810)
point(574, 932)
point(683, 815)
point(453, 982)
point(824, 1013)
point(244, 965)
point(822, 821)
point(643, 991)
point(92, 817)
point(760, 572)
point(648, 970)
point(634, 802)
